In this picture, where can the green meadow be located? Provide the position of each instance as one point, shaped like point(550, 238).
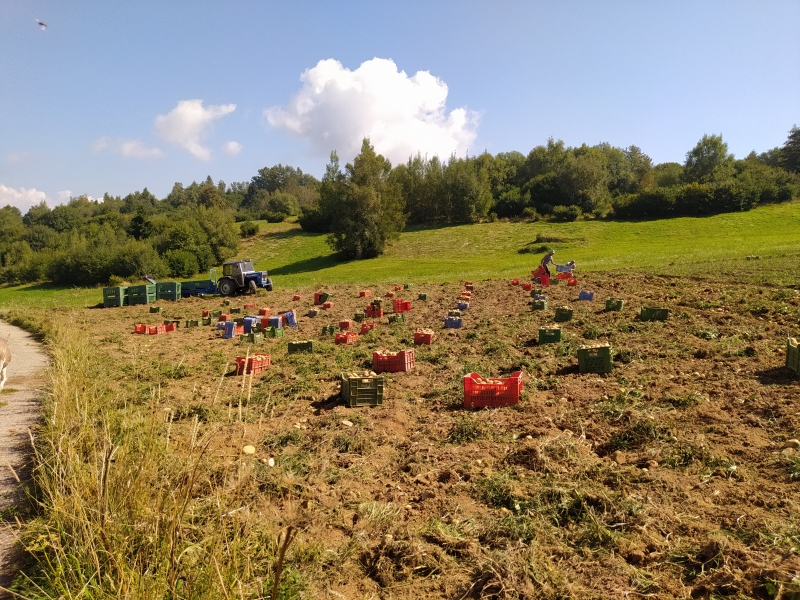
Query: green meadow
point(682, 247)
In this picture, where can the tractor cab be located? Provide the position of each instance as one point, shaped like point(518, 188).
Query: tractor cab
point(240, 276)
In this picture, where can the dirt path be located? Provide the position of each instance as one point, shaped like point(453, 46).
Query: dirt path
point(19, 411)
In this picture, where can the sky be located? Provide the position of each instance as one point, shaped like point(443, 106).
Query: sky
point(113, 97)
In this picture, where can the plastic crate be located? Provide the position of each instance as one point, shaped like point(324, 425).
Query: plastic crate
point(300, 346)
point(364, 293)
point(454, 313)
point(527, 287)
point(614, 304)
point(296, 297)
point(236, 310)
point(239, 321)
point(373, 312)
point(400, 306)
point(289, 318)
point(397, 318)
point(462, 305)
point(398, 288)
point(480, 392)
point(563, 276)
point(170, 327)
point(264, 312)
point(155, 309)
point(407, 286)
point(344, 325)
point(327, 305)
point(115, 296)
point(250, 305)
point(168, 290)
point(252, 338)
point(366, 390)
point(359, 316)
point(229, 330)
point(141, 294)
point(312, 312)
point(390, 294)
point(515, 282)
point(793, 355)
point(563, 314)
point(422, 296)
point(275, 321)
point(654, 313)
point(367, 326)
point(328, 329)
point(273, 332)
point(348, 337)
point(321, 297)
point(539, 305)
point(586, 296)
point(572, 281)
point(466, 294)
point(215, 313)
point(594, 359)
point(423, 337)
point(393, 362)
point(453, 323)
point(549, 335)
point(538, 297)
point(192, 323)
point(140, 328)
point(206, 320)
point(255, 364)
point(469, 287)
point(223, 318)
point(249, 322)
point(157, 329)
point(377, 303)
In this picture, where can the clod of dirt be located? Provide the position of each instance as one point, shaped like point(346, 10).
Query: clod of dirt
point(249, 449)
point(619, 457)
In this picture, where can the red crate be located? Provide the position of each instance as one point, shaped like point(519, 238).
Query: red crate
point(250, 305)
point(400, 306)
point(515, 282)
point(498, 391)
point(572, 281)
point(169, 327)
point(348, 337)
point(468, 283)
point(156, 330)
point(343, 325)
point(224, 318)
point(527, 286)
point(296, 297)
point(264, 312)
point(327, 305)
point(538, 272)
point(240, 330)
point(390, 294)
point(393, 362)
point(364, 293)
point(398, 288)
point(423, 337)
point(544, 280)
point(563, 276)
point(466, 293)
point(206, 313)
point(256, 364)
point(140, 328)
point(374, 313)
point(367, 326)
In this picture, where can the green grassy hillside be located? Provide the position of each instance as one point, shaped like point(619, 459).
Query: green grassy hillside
point(684, 246)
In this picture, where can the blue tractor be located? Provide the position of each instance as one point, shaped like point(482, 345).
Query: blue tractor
point(239, 276)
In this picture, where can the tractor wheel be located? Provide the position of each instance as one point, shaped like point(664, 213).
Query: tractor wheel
point(226, 287)
point(252, 287)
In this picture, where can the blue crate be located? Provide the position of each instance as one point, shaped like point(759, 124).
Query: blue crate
point(291, 318)
point(276, 322)
point(463, 305)
point(249, 322)
point(229, 330)
point(452, 322)
point(587, 296)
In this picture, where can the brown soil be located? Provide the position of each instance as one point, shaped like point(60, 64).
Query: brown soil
point(672, 476)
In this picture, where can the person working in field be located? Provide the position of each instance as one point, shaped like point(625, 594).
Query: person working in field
point(547, 260)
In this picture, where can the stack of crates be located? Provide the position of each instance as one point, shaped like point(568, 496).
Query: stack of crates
point(594, 359)
point(361, 390)
point(115, 296)
point(141, 294)
point(168, 290)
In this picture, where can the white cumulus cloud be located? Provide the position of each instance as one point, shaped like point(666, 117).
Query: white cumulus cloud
point(187, 125)
point(64, 196)
point(336, 108)
point(127, 148)
point(232, 148)
point(22, 198)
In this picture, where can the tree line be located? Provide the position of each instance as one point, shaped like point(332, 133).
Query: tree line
point(364, 205)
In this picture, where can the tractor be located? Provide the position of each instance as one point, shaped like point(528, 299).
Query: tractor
point(239, 276)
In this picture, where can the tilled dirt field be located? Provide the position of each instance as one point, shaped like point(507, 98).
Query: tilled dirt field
point(675, 475)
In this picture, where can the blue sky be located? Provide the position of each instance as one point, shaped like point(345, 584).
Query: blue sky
point(115, 97)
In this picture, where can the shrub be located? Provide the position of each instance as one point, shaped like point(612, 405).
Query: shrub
point(182, 263)
point(248, 229)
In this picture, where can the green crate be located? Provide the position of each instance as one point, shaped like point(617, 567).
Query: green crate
point(142, 294)
point(793, 355)
point(454, 313)
point(361, 391)
point(614, 304)
point(226, 303)
point(539, 305)
point(115, 296)
point(563, 315)
point(206, 320)
point(155, 309)
point(594, 359)
point(238, 320)
point(329, 330)
point(407, 286)
point(192, 323)
point(301, 346)
point(273, 332)
point(654, 313)
point(172, 322)
point(397, 318)
point(252, 338)
point(256, 328)
point(168, 290)
point(216, 313)
point(359, 317)
point(469, 287)
point(549, 335)
point(236, 311)
point(422, 296)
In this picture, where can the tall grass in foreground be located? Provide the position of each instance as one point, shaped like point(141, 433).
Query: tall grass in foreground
point(119, 515)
